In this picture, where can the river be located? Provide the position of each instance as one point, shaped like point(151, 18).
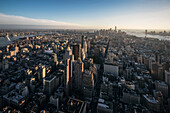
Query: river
point(5, 41)
point(142, 34)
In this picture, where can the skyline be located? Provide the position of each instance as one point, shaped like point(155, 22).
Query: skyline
point(126, 14)
point(84, 56)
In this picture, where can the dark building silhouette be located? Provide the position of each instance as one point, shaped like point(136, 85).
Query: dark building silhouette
point(82, 41)
point(76, 51)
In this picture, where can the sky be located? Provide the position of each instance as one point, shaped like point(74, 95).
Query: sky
point(125, 14)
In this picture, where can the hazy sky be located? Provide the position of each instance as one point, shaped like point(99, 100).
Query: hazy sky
point(126, 14)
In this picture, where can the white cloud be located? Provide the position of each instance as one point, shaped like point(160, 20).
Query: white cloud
point(20, 20)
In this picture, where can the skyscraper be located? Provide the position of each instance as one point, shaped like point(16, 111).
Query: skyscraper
point(49, 84)
point(68, 76)
point(146, 32)
point(167, 78)
point(68, 57)
point(85, 47)
point(115, 28)
point(78, 69)
point(76, 51)
point(68, 52)
point(82, 41)
point(88, 46)
point(88, 83)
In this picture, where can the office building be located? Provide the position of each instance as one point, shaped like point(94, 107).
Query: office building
point(82, 41)
point(167, 79)
point(111, 69)
point(68, 76)
point(49, 85)
point(68, 53)
point(88, 83)
point(78, 69)
point(76, 51)
point(163, 87)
